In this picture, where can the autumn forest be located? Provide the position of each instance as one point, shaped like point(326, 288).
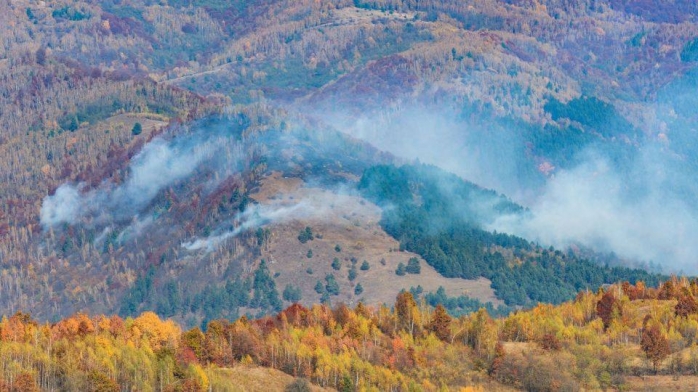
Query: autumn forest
point(367, 195)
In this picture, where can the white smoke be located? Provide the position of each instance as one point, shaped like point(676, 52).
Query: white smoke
point(589, 205)
point(160, 164)
point(639, 211)
point(316, 206)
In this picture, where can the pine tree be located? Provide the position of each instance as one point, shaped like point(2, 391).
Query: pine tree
point(400, 271)
point(137, 129)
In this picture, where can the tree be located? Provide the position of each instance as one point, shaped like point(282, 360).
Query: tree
point(99, 382)
point(194, 339)
point(413, 266)
point(25, 383)
point(292, 293)
point(550, 342)
point(40, 53)
point(655, 345)
point(309, 254)
point(331, 286)
point(686, 305)
point(319, 288)
point(365, 266)
point(137, 129)
point(352, 274)
point(336, 264)
point(358, 289)
point(400, 271)
point(440, 323)
point(407, 312)
point(497, 362)
point(607, 308)
point(306, 235)
point(73, 125)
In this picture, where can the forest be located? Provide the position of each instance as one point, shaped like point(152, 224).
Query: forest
point(290, 89)
point(615, 338)
point(441, 217)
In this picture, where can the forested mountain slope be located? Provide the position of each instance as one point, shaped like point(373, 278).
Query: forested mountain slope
point(139, 138)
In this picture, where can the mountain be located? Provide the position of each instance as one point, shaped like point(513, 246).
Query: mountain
point(210, 159)
point(358, 195)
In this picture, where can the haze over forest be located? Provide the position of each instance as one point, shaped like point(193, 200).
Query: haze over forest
point(477, 175)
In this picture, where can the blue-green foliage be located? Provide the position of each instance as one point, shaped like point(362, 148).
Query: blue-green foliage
point(70, 13)
point(139, 292)
point(593, 114)
point(331, 285)
point(265, 294)
point(464, 305)
point(440, 217)
point(689, 53)
point(292, 293)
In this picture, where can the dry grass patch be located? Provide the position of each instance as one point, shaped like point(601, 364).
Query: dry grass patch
point(352, 223)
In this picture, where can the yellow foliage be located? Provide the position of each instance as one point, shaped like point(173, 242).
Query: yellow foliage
point(200, 376)
point(156, 332)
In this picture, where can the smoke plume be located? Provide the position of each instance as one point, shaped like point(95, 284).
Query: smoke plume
point(160, 164)
point(638, 207)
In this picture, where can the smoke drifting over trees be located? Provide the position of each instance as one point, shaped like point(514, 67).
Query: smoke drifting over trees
point(630, 199)
point(158, 165)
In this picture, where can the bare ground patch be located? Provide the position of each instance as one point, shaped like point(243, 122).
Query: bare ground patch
point(352, 223)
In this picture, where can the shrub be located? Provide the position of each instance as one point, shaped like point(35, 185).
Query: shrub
point(413, 266)
point(400, 271)
point(137, 129)
point(336, 264)
point(306, 235)
point(352, 274)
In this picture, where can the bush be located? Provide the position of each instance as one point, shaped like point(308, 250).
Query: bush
point(352, 274)
point(400, 271)
point(365, 266)
point(332, 286)
point(358, 289)
point(306, 235)
point(413, 266)
point(337, 248)
point(336, 264)
point(137, 129)
point(309, 254)
point(292, 293)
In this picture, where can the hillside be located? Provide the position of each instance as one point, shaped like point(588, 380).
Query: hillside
point(626, 337)
point(169, 156)
point(346, 228)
